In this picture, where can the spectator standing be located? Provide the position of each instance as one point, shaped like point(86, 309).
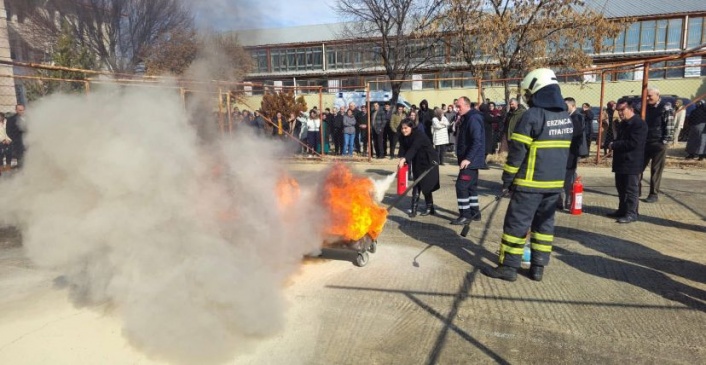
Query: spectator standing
point(470, 148)
point(5, 143)
point(696, 145)
point(588, 117)
point(440, 131)
point(425, 115)
point(15, 129)
point(628, 153)
point(362, 120)
point(450, 115)
point(564, 202)
point(337, 133)
point(349, 123)
point(377, 119)
point(660, 131)
point(394, 129)
point(313, 127)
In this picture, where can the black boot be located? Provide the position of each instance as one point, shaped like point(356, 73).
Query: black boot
point(501, 272)
point(429, 208)
point(536, 272)
point(415, 206)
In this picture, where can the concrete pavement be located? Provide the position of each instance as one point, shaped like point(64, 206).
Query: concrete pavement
point(611, 294)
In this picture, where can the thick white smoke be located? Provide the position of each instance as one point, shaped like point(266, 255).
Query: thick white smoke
point(184, 239)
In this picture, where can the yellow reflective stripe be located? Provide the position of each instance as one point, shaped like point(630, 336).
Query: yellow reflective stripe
point(550, 144)
point(543, 237)
point(539, 184)
point(541, 248)
point(511, 169)
point(521, 138)
point(513, 239)
point(530, 163)
point(514, 250)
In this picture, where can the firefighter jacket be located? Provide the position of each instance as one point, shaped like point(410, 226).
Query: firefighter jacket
point(470, 141)
point(539, 149)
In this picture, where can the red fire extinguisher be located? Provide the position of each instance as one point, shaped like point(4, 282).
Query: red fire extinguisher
point(402, 179)
point(577, 197)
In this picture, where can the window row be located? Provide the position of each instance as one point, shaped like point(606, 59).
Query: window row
point(641, 36)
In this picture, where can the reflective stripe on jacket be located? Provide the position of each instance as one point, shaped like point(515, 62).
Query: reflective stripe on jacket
point(539, 149)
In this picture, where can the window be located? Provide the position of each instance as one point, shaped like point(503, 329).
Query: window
point(647, 36)
point(674, 34)
point(677, 71)
point(259, 60)
point(620, 43)
point(296, 59)
point(695, 35)
point(661, 34)
point(632, 38)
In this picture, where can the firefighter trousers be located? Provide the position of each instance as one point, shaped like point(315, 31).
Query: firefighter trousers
point(467, 193)
point(532, 212)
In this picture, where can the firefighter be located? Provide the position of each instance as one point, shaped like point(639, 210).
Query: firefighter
point(534, 176)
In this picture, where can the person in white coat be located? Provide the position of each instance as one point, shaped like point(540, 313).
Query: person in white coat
point(440, 133)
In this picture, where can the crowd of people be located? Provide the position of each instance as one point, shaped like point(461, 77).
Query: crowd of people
point(12, 147)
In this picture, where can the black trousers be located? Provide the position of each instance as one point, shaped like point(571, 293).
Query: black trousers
point(467, 193)
point(569, 179)
point(378, 144)
point(655, 156)
point(393, 137)
point(338, 141)
point(528, 212)
point(628, 194)
point(441, 151)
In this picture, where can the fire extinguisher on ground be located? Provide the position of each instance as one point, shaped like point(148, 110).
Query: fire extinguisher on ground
point(402, 179)
point(577, 197)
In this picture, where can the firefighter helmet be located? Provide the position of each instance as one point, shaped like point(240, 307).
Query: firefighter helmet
point(537, 79)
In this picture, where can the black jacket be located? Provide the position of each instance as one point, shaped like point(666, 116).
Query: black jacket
point(576, 139)
point(425, 116)
point(419, 151)
point(629, 147)
point(539, 146)
point(470, 140)
point(15, 131)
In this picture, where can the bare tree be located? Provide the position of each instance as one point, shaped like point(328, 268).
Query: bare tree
point(503, 38)
point(118, 32)
point(402, 35)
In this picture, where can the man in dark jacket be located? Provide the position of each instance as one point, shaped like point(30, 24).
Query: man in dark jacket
point(628, 153)
point(470, 151)
point(377, 120)
point(425, 116)
point(660, 131)
point(337, 131)
point(15, 129)
point(573, 160)
point(534, 172)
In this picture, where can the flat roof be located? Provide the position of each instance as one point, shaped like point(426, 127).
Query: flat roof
point(334, 31)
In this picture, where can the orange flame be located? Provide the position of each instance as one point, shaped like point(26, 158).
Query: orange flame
point(287, 192)
point(352, 209)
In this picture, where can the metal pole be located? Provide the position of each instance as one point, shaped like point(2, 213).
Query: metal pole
point(321, 118)
point(230, 116)
point(480, 91)
point(367, 108)
point(645, 81)
point(220, 111)
point(183, 96)
point(600, 119)
point(87, 86)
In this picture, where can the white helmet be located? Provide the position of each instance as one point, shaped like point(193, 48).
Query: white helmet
point(538, 79)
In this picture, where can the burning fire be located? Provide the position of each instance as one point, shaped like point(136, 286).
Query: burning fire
point(287, 192)
point(352, 210)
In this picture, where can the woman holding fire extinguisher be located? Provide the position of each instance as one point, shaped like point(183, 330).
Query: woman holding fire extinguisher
point(417, 151)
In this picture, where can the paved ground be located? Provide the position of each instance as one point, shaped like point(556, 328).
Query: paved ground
point(612, 294)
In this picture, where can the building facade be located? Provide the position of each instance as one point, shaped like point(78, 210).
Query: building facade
point(318, 56)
